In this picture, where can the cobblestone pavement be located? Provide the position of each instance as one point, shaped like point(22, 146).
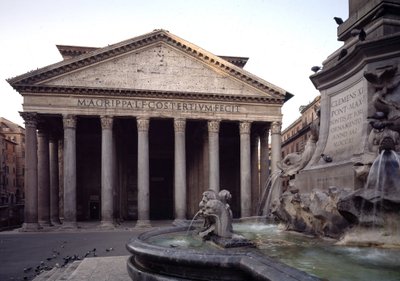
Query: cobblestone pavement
point(24, 254)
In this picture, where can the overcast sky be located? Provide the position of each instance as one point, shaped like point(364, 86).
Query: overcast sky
point(282, 38)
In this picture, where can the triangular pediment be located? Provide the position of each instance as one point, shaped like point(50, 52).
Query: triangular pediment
point(157, 61)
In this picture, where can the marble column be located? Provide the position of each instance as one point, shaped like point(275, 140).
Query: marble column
point(213, 149)
point(276, 156)
point(54, 181)
point(255, 173)
point(107, 169)
point(264, 157)
point(30, 177)
point(180, 170)
point(69, 122)
point(245, 170)
point(275, 145)
point(43, 177)
point(143, 173)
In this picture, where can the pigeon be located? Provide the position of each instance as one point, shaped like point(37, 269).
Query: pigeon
point(338, 20)
point(326, 158)
point(315, 68)
point(379, 115)
point(342, 54)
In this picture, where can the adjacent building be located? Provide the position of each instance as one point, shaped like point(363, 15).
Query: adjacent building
point(144, 127)
point(12, 161)
point(295, 136)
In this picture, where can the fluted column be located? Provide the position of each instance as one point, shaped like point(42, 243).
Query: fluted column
point(213, 144)
point(180, 169)
point(30, 178)
point(69, 122)
point(54, 181)
point(43, 177)
point(143, 173)
point(245, 170)
point(107, 178)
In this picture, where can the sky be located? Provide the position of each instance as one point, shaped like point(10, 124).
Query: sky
point(282, 38)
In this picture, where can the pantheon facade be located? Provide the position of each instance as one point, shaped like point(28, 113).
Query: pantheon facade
point(138, 130)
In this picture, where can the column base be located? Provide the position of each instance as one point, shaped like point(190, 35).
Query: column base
point(45, 223)
point(30, 227)
point(107, 225)
point(56, 222)
point(143, 224)
point(69, 225)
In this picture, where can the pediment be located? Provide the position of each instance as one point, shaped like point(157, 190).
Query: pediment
point(158, 61)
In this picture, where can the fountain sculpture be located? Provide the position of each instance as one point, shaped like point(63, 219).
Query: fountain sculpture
point(345, 184)
point(224, 256)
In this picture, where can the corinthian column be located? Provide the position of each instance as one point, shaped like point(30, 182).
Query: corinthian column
point(245, 170)
point(143, 173)
point(69, 122)
point(54, 181)
point(213, 143)
point(275, 157)
point(43, 177)
point(31, 184)
point(107, 178)
point(275, 145)
point(264, 157)
point(180, 169)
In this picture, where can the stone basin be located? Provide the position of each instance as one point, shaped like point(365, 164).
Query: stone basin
point(153, 262)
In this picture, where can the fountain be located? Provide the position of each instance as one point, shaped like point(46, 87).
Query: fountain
point(344, 188)
point(215, 252)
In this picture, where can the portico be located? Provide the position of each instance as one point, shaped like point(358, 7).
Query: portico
point(145, 126)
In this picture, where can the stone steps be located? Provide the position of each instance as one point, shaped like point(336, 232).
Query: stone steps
point(89, 269)
point(58, 273)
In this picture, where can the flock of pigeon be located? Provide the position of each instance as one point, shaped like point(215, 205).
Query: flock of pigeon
point(362, 35)
point(56, 260)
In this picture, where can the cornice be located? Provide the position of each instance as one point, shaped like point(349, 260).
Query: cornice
point(85, 91)
point(362, 54)
point(129, 45)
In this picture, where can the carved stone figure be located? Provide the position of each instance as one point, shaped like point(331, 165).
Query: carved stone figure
point(294, 162)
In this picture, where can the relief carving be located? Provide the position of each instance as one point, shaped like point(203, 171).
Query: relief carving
point(30, 118)
point(213, 126)
point(179, 125)
point(245, 127)
point(143, 124)
point(106, 122)
point(69, 121)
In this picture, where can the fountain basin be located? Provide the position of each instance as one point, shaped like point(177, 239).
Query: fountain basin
point(153, 262)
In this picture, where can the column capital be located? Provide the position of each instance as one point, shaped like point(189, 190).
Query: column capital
point(245, 127)
point(69, 121)
point(276, 127)
point(213, 126)
point(106, 122)
point(30, 118)
point(179, 124)
point(143, 124)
